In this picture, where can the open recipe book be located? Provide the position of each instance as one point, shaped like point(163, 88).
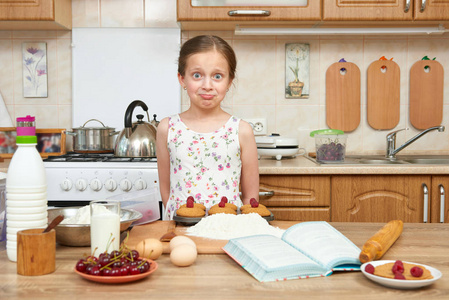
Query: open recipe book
point(308, 249)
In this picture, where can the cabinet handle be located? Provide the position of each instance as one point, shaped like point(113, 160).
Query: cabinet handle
point(236, 13)
point(423, 5)
point(426, 201)
point(407, 5)
point(266, 194)
point(442, 198)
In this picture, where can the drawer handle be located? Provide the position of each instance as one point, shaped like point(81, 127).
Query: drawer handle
point(407, 5)
point(423, 5)
point(442, 198)
point(426, 201)
point(266, 194)
point(237, 13)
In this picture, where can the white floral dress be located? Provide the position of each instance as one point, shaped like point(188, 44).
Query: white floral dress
point(206, 166)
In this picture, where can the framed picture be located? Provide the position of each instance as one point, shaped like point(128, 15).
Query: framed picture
point(50, 142)
point(34, 60)
point(297, 65)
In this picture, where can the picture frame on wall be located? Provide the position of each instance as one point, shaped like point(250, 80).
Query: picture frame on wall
point(50, 142)
point(34, 61)
point(297, 71)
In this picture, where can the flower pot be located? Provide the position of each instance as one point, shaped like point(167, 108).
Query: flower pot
point(296, 88)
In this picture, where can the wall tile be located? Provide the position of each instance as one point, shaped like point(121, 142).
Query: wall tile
point(46, 115)
point(119, 13)
point(6, 71)
point(160, 13)
point(64, 71)
point(85, 13)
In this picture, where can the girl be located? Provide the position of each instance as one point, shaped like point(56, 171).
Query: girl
point(205, 152)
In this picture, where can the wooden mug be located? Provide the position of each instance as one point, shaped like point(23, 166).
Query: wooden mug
point(36, 252)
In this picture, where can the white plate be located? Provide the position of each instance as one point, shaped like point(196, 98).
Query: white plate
point(397, 283)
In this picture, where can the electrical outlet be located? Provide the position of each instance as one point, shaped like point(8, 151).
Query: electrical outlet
point(259, 125)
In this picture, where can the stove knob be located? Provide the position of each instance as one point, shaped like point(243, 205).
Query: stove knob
point(126, 185)
point(140, 184)
point(110, 185)
point(81, 184)
point(96, 184)
point(66, 184)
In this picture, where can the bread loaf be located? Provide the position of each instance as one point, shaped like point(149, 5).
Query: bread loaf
point(380, 242)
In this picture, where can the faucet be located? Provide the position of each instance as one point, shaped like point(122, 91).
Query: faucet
point(391, 140)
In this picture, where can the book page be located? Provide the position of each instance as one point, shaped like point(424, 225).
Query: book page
point(323, 243)
point(272, 253)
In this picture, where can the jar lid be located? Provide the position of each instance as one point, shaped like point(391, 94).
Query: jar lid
point(326, 132)
point(26, 119)
point(26, 139)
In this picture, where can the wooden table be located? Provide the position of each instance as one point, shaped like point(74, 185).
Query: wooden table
point(216, 276)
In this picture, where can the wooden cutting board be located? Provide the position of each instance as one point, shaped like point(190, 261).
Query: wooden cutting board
point(383, 94)
point(205, 246)
point(343, 96)
point(426, 94)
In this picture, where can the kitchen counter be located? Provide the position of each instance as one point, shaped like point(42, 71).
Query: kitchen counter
point(217, 276)
point(300, 165)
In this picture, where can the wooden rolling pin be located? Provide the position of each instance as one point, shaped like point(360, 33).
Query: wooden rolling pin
point(380, 242)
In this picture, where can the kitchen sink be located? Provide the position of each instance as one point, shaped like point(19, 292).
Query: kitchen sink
point(382, 160)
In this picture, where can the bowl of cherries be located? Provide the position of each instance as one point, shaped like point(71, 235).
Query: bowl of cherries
point(115, 267)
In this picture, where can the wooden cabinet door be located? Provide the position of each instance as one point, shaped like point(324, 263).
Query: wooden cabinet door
point(187, 12)
point(431, 10)
point(379, 198)
point(295, 190)
point(360, 10)
point(439, 209)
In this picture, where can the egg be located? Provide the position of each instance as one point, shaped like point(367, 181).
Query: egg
point(183, 255)
point(179, 240)
point(150, 248)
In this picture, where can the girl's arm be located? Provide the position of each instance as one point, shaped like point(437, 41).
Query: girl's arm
point(249, 180)
point(163, 160)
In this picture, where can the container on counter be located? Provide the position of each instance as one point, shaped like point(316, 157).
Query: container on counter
point(104, 226)
point(330, 145)
point(26, 187)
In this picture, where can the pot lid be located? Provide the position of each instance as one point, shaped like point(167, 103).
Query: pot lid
point(275, 140)
point(99, 128)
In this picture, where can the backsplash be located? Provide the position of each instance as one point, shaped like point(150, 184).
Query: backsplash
point(258, 90)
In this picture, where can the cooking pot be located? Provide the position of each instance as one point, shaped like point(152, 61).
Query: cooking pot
point(93, 139)
point(137, 139)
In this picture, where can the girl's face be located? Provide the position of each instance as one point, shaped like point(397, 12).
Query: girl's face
point(206, 79)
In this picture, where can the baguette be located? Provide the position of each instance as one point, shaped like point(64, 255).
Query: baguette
point(380, 242)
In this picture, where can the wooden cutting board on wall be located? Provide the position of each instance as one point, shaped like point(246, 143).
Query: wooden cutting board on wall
point(426, 94)
point(383, 94)
point(343, 96)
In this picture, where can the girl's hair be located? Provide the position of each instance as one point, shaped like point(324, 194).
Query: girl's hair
point(204, 43)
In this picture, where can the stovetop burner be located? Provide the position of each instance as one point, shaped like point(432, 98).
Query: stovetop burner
point(96, 157)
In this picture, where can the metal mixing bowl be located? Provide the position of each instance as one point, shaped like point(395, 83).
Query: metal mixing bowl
point(79, 235)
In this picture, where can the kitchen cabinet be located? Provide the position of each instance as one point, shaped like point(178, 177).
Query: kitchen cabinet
point(386, 10)
point(36, 15)
point(296, 197)
point(227, 17)
point(381, 198)
point(439, 208)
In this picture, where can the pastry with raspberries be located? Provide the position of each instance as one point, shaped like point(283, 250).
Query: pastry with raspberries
point(255, 207)
point(191, 209)
point(402, 271)
point(223, 208)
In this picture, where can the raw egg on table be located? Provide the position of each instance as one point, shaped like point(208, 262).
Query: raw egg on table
point(183, 255)
point(179, 240)
point(150, 248)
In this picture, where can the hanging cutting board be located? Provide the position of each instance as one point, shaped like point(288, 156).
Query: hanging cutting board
point(426, 94)
point(383, 94)
point(343, 96)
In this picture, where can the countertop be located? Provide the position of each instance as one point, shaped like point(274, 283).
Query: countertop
point(217, 276)
point(301, 165)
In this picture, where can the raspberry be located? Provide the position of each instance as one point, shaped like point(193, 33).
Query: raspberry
point(190, 198)
point(224, 199)
point(399, 276)
point(369, 268)
point(398, 267)
point(190, 201)
point(222, 204)
point(253, 202)
point(416, 271)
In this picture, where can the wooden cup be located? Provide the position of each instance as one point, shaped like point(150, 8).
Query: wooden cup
point(36, 252)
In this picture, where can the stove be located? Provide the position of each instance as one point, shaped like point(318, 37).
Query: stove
point(75, 179)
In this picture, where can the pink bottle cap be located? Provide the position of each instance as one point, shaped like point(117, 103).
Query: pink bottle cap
point(26, 126)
